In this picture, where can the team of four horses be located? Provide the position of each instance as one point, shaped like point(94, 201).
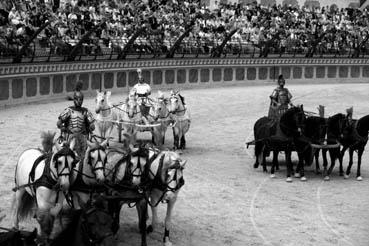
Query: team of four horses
point(87, 192)
point(300, 131)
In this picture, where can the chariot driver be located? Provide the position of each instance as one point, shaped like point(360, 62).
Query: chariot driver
point(349, 113)
point(280, 100)
point(77, 120)
point(142, 91)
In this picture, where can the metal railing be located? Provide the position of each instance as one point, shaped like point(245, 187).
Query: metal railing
point(142, 48)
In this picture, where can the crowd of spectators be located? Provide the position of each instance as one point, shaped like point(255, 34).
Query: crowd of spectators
point(111, 23)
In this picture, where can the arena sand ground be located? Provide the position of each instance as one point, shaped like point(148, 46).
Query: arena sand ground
point(225, 201)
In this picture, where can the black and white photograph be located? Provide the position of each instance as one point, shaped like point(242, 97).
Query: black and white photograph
point(184, 122)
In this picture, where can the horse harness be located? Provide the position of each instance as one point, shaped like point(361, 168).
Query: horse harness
point(79, 184)
point(48, 178)
point(126, 182)
point(163, 186)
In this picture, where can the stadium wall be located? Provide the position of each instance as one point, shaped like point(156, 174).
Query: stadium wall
point(24, 83)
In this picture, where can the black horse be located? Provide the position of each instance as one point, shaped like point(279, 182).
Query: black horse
point(354, 137)
point(325, 132)
point(285, 135)
point(18, 238)
point(90, 226)
point(316, 130)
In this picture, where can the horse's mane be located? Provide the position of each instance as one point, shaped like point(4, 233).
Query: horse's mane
point(47, 140)
point(287, 122)
point(332, 121)
point(289, 114)
point(182, 99)
point(335, 118)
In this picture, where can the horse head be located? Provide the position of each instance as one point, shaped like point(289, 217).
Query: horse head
point(172, 174)
point(137, 163)
point(62, 163)
point(102, 100)
point(336, 124)
point(132, 107)
point(92, 224)
point(97, 158)
point(293, 121)
point(159, 109)
point(176, 103)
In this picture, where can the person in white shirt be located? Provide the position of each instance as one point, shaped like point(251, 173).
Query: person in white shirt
point(142, 91)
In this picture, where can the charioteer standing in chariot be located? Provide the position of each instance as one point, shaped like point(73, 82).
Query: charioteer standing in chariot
point(142, 91)
point(77, 121)
point(280, 100)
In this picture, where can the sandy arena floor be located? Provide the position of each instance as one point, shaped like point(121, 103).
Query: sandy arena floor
point(225, 201)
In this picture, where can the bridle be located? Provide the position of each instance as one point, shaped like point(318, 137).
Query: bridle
point(164, 186)
point(87, 234)
point(179, 182)
point(176, 109)
point(158, 112)
point(64, 152)
point(99, 158)
point(136, 111)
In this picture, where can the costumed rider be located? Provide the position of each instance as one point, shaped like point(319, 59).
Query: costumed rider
point(142, 92)
point(77, 121)
point(349, 113)
point(280, 100)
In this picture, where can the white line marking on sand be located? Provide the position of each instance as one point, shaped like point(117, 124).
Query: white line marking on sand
point(251, 212)
point(325, 221)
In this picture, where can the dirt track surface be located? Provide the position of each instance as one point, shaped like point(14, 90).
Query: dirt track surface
point(225, 201)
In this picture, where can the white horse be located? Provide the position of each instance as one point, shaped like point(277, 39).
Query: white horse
point(130, 116)
point(89, 174)
point(159, 113)
point(166, 173)
point(181, 118)
point(125, 172)
point(41, 178)
point(107, 114)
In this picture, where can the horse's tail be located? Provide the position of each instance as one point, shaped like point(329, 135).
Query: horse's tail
point(47, 140)
point(24, 209)
point(261, 131)
point(258, 148)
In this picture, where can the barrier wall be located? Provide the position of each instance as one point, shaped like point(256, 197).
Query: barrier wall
point(22, 83)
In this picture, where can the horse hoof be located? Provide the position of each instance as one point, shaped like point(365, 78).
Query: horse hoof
point(317, 172)
point(303, 178)
point(346, 176)
point(326, 178)
point(289, 180)
point(149, 229)
point(359, 178)
point(272, 176)
point(256, 165)
point(265, 170)
point(297, 175)
point(341, 174)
